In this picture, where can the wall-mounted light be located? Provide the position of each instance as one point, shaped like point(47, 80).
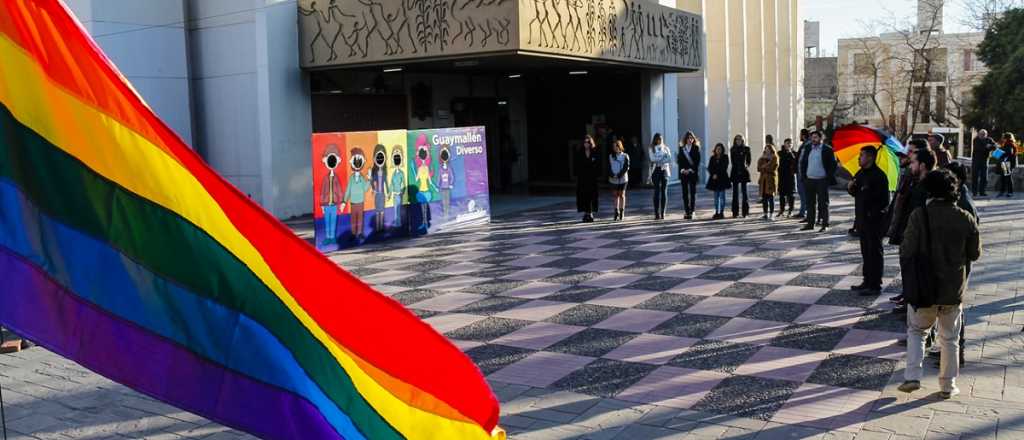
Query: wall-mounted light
point(578, 72)
point(515, 76)
point(502, 102)
point(392, 70)
point(334, 92)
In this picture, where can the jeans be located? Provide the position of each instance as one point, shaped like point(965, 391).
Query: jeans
point(398, 210)
point(689, 193)
point(817, 200)
point(768, 205)
point(330, 223)
point(784, 200)
point(801, 190)
point(720, 201)
point(660, 180)
point(919, 322)
point(740, 189)
point(979, 178)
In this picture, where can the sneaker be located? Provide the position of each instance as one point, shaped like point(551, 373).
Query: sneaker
point(764, 217)
point(27, 344)
point(823, 229)
point(910, 386)
point(946, 395)
point(858, 287)
point(688, 217)
point(896, 299)
point(807, 228)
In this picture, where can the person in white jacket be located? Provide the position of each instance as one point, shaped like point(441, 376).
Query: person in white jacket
point(661, 161)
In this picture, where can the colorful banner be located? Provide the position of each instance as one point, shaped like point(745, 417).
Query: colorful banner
point(380, 184)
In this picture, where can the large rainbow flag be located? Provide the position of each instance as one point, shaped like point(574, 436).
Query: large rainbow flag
point(849, 139)
point(122, 250)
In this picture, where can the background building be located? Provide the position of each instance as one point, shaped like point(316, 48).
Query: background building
point(914, 81)
point(247, 82)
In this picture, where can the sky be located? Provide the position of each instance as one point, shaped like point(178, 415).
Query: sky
point(844, 18)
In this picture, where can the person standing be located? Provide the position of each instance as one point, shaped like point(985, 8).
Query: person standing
point(740, 158)
point(588, 170)
point(937, 142)
point(688, 160)
point(801, 190)
point(818, 166)
point(787, 177)
point(870, 189)
point(768, 181)
point(981, 150)
point(1006, 164)
point(718, 178)
point(618, 176)
point(638, 160)
point(947, 260)
point(912, 197)
point(661, 159)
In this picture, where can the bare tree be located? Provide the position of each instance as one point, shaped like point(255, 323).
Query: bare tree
point(979, 14)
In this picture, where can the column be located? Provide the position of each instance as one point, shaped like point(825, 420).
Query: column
point(797, 31)
point(785, 53)
point(716, 23)
point(693, 87)
point(755, 75)
point(737, 38)
point(771, 72)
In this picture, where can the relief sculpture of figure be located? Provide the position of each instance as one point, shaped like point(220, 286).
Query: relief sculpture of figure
point(380, 23)
point(542, 18)
point(347, 27)
point(321, 19)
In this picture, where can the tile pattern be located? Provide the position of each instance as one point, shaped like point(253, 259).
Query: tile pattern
point(742, 319)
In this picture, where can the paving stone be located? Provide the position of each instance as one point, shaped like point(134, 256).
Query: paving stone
point(713, 355)
point(747, 396)
point(654, 283)
point(487, 329)
point(846, 298)
point(852, 371)
point(670, 302)
point(748, 290)
point(490, 306)
point(809, 337)
point(604, 377)
point(816, 280)
point(584, 315)
point(726, 273)
point(690, 326)
point(415, 295)
point(578, 294)
point(491, 358)
point(593, 342)
point(774, 311)
point(571, 277)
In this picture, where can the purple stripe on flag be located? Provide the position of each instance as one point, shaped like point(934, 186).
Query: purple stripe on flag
point(45, 312)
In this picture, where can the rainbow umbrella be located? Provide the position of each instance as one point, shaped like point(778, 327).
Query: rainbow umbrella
point(848, 140)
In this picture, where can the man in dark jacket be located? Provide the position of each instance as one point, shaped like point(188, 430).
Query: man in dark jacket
point(870, 189)
point(948, 259)
point(818, 169)
point(981, 150)
point(801, 191)
point(688, 159)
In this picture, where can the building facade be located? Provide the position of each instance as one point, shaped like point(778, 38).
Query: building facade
point(246, 82)
point(911, 82)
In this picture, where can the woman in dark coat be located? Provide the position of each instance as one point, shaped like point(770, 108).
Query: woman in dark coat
point(739, 156)
point(787, 177)
point(1005, 165)
point(718, 178)
point(588, 170)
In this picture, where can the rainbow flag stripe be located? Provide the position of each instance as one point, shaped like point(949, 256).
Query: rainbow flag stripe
point(122, 250)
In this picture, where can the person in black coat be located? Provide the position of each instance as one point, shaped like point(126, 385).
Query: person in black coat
point(739, 156)
point(870, 189)
point(688, 159)
point(818, 168)
point(787, 177)
point(588, 170)
point(718, 178)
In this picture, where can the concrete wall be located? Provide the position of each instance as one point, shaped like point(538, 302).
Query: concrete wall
point(146, 39)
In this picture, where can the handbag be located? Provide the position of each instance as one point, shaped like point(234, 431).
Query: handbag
point(919, 283)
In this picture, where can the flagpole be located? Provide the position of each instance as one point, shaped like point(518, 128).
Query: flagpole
point(3, 415)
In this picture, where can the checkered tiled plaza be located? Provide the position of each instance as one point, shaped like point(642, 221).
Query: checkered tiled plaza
point(692, 329)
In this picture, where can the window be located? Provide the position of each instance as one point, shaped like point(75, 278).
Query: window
point(862, 105)
point(968, 60)
point(940, 104)
point(922, 100)
point(862, 64)
point(932, 62)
